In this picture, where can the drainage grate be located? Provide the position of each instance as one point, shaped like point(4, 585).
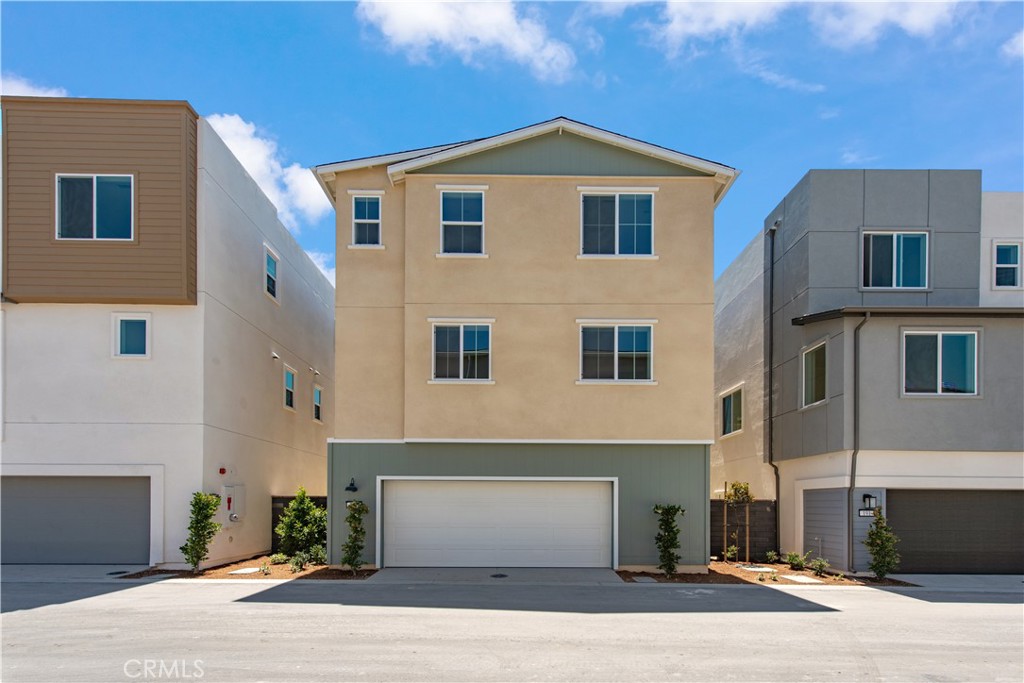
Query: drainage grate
point(118, 573)
point(499, 576)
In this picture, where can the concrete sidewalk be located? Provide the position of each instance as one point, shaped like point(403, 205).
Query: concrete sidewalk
point(496, 576)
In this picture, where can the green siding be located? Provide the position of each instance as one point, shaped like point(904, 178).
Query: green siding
point(647, 474)
point(560, 154)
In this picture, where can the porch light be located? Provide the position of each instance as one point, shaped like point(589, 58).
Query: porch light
point(352, 485)
point(870, 501)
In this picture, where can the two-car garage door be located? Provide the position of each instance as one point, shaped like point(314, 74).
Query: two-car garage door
point(503, 523)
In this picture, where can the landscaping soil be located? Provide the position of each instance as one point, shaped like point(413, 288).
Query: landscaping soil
point(277, 571)
point(730, 572)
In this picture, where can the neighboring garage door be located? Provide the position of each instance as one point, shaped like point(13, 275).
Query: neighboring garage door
point(74, 520)
point(497, 523)
point(958, 532)
point(825, 524)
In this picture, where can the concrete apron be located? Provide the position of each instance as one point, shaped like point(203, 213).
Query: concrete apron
point(1009, 583)
point(77, 573)
point(496, 576)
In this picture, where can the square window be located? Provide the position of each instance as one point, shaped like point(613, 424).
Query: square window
point(618, 224)
point(1007, 265)
point(270, 262)
point(131, 335)
point(366, 221)
point(95, 207)
point(616, 353)
point(732, 412)
point(462, 222)
point(895, 260)
point(940, 363)
point(815, 387)
point(289, 388)
point(462, 352)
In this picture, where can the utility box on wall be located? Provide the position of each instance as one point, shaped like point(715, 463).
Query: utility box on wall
point(233, 503)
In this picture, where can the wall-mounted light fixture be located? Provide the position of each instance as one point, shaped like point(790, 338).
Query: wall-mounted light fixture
point(273, 354)
point(870, 501)
point(352, 485)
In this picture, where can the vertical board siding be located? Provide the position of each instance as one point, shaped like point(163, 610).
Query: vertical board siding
point(825, 525)
point(153, 141)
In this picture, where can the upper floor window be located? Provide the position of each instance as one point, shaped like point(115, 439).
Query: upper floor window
point(616, 353)
point(96, 207)
point(318, 397)
point(732, 412)
point(618, 224)
point(813, 366)
point(289, 388)
point(895, 260)
point(462, 352)
point(366, 221)
point(131, 338)
point(462, 222)
point(940, 362)
point(1007, 265)
point(270, 263)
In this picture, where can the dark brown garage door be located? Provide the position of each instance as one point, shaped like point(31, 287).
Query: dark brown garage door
point(958, 532)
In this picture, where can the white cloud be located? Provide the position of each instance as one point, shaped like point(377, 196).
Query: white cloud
point(470, 30)
point(850, 24)
point(321, 260)
point(292, 189)
point(753, 65)
point(1014, 47)
point(686, 22)
point(854, 156)
point(827, 113)
point(12, 84)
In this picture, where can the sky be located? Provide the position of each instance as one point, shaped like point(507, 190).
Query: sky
point(773, 88)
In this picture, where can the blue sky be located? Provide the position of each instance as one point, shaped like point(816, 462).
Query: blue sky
point(773, 89)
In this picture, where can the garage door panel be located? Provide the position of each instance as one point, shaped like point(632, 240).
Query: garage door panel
point(496, 523)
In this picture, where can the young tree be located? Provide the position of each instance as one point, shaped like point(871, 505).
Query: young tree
point(667, 538)
point(353, 548)
point(303, 525)
point(201, 528)
point(881, 543)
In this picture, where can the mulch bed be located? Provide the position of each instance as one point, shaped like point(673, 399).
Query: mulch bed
point(277, 571)
point(732, 573)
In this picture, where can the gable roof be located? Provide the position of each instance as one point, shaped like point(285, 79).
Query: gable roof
point(400, 163)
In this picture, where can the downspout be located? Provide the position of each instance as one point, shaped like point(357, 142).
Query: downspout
point(771, 374)
point(856, 442)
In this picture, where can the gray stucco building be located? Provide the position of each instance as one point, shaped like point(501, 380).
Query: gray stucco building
point(888, 368)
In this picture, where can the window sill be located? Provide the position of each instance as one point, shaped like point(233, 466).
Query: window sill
point(896, 289)
point(442, 255)
point(945, 396)
point(616, 257)
point(618, 382)
point(131, 356)
point(272, 297)
point(460, 381)
point(371, 247)
point(731, 434)
point(812, 405)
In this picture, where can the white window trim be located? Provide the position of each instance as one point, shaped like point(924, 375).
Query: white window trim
point(56, 207)
point(284, 387)
point(460, 323)
point(379, 221)
point(320, 404)
point(115, 335)
point(617, 192)
point(938, 369)
point(895, 265)
point(1020, 266)
point(803, 354)
point(614, 324)
point(721, 397)
point(482, 189)
point(276, 297)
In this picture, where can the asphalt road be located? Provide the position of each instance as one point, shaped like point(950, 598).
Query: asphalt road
point(339, 631)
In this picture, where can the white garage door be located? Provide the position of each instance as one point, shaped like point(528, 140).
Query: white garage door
point(496, 523)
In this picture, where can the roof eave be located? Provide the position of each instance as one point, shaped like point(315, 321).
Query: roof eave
point(918, 311)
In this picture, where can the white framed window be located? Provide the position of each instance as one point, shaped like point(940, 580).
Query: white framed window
point(894, 260)
point(1006, 263)
point(940, 363)
point(462, 222)
point(616, 352)
point(91, 206)
point(732, 411)
point(131, 335)
point(814, 374)
point(617, 224)
point(318, 402)
point(289, 388)
point(462, 351)
point(271, 261)
point(366, 220)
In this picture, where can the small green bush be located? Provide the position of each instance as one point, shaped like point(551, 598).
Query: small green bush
point(278, 558)
point(771, 557)
point(881, 543)
point(298, 562)
point(265, 569)
point(731, 552)
point(201, 528)
point(739, 492)
point(667, 538)
point(796, 561)
point(352, 549)
point(819, 566)
point(318, 555)
point(303, 525)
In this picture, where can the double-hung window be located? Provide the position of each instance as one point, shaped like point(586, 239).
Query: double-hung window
point(814, 361)
point(366, 221)
point(1007, 265)
point(619, 224)
point(462, 222)
point(616, 353)
point(96, 207)
point(270, 263)
point(462, 352)
point(940, 363)
point(318, 397)
point(895, 260)
point(732, 412)
point(289, 388)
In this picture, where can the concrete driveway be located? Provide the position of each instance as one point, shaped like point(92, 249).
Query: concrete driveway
point(249, 630)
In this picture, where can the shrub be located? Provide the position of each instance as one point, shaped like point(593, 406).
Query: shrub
point(265, 569)
point(278, 558)
point(796, 561)
point(819, 566)
point(760, 577)
point(298, 562)
point(739, 492)
point(881, 543)
point(201, 528)
point(303, 525)
point(771, 557)
point(731, 552)
point(318, 555)
point(352, 549)
point(667, 538)
point(774, 576)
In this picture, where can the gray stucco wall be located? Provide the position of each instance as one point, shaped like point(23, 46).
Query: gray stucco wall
point(647, 474)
